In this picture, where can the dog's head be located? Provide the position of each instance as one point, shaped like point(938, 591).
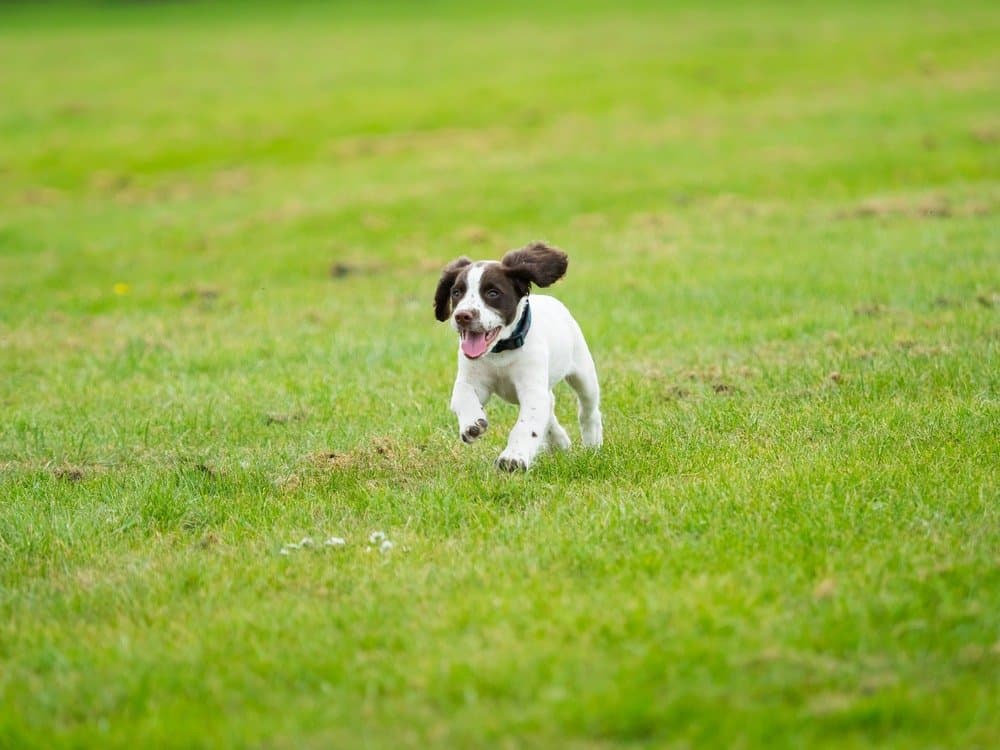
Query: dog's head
point(484, 300)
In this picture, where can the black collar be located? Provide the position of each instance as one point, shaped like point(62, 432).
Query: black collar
point(516, 339)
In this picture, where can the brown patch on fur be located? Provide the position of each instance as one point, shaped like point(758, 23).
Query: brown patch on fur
point(442, 296)
point(536, 263)
point(509, 290)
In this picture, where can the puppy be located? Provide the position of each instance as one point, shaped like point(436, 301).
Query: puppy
point(517, 345)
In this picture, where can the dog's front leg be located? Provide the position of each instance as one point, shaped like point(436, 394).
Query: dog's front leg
point(528, 435)
point(467, 403)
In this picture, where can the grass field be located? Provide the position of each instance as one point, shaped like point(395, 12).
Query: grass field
point(220, 231)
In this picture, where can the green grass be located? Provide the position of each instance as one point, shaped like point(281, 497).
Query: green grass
point(783, 231)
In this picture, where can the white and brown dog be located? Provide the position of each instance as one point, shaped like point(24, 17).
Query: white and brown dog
point(517, 350)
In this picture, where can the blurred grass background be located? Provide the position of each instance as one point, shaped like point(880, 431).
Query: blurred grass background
point(221, 227)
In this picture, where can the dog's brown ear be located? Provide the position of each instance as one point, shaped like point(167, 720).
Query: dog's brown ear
point(537, 263)
point(443, 294)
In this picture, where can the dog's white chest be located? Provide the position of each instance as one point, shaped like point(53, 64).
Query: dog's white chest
point(505, 389)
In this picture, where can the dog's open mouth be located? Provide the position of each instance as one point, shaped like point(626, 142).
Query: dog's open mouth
point(476, 343)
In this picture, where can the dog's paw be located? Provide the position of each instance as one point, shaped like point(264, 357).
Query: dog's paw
point(511, 462)
point(592, 431)
point(474, 431)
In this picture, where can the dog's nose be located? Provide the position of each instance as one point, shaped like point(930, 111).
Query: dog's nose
point(465, 317)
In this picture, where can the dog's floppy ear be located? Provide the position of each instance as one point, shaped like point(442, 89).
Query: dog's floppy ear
point(537, 263)
point(443, 293)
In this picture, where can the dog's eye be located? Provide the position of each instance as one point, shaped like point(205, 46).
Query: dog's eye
point(492, 294)
point(456, 293)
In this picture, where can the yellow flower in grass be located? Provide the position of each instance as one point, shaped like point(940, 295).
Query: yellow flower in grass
point(121, 288)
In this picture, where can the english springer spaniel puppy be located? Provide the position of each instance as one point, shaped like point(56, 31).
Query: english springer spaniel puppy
point(517, 346)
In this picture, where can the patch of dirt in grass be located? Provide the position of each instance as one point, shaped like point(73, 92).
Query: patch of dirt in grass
point(825, 589)
point(986, 134)
point(677, 392)
point(989, 299)
point(124, 189)
point(331, 459)
point(289, 484)
point(209, 471)
point(871, 310)
point(230, 181)
point(40, 196)
point(375, 222)
point(473, 235)
point(929, 207)
point(917, 349)
point(69, 473)
point(877, 681)
point(589, 221)
point(65, 472)
point(109, 182)
point(449, 141)
point(284, 417)
point(716, 373)
point(201, 293)
point(826, 704)
point(972, 653)
point(379, 452)
point(209, 540)
point(700, 381)
point(343, 269)
point(203, 298)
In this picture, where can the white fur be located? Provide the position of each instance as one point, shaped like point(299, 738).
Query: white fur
point(473, 301)
point(553, 350)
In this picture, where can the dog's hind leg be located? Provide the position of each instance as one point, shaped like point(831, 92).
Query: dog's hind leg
point(583, 380)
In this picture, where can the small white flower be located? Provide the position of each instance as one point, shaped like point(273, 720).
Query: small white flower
point(284, 551)
point(306, 541)
point(292, 545)
point(385, 546)
point(335, 541)
point(376, 537)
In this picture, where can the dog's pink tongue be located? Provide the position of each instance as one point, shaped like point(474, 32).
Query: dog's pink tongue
point(474, 343)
